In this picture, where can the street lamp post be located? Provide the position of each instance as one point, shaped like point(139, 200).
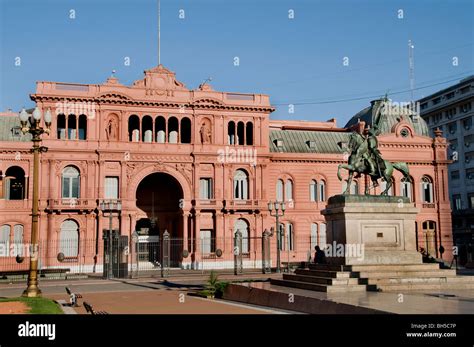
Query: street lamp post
point(31, 124)
point(110, 206)
point(275, 208)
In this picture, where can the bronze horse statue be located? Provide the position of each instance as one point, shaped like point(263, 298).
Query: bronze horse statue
point(358, 164)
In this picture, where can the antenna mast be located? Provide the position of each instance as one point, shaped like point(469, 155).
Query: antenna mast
point(159, 34)
point(411, 65)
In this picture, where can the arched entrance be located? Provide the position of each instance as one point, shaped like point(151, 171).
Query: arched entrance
point(159, 200)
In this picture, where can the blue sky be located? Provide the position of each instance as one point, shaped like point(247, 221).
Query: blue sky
point(298, 61)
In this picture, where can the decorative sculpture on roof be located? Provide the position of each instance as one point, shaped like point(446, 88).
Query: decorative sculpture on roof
point(365, 157)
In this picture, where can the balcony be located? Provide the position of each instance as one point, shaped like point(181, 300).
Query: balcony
point(13, 204)
point(241, 204)
point(71, 204)
point(428, 205)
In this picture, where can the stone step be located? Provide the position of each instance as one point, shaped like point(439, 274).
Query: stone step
point(317, 273)
point(318, 287)
point(408, 280)
point(321, 280)
point(397, 274)
point(425, 286)
point(375, 268)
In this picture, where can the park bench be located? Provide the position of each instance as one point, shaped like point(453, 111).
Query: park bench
point(90, 310)
point(73, 297)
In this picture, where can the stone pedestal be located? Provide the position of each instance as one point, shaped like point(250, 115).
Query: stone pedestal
point(371, 230)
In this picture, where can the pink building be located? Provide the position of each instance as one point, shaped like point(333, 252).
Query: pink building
point(200, 164)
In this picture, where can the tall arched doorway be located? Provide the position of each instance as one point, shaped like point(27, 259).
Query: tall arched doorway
point(159, 198)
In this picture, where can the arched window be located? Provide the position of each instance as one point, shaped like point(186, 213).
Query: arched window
point(241, 185)
point(289, 237)
point(160, 128)
point(243, 226)
point(18, 239)
point(406, 188)
point(314, 236)
point(241, 133)
point(279, 190)
point(322, 190)
point(82, 127)
point(249, 133)
point(134, 128)
point(70, 183)
point(322, 235)
point(185, 130)
point(427, 190)
point(71, 127)
point(69, 238)
point(147, 129)
point(5, 234)
point(61, 126)
point(313, 190)
point(231, 133)
point(15, 187)
point(173, 129)
point(289, 190)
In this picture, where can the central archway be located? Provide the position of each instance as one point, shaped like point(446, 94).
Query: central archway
point(159, 199)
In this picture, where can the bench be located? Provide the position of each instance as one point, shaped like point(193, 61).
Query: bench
point(73, 297)
point(90, 310)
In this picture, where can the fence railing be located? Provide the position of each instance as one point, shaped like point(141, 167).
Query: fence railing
point(144, 255)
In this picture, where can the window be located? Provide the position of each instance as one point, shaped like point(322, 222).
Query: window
point(243, 226)
point(82, 131)
point(311, 144)
point(314, 235)
point(71, 127)
point(160, 129)
point(173, 130)
point(208, 241)
point(436, 101)
point(465, 89)
point(383, 186)
point(470, 200)
point(61, 126)
point(457, 202)
point(450, 95)
point(289, 190)
point(147, 129)
point(453, 144)
point(427, 190)
point(240, 133)
point(281, 236)
point(18, 240)
point(205, 188)
point(468, 140)
point(289, 237)
point(465, 107)
point(404, 132)
point(438, 117)
point(70, 182)
point(231, 133)
point(134, 128)
point(467, 123)
point(5, 234)
point(406, 188)
point(313, 190)
point(322, 190)
point(111, 187)
point(185, 130)
point(322, 235)
point(241, 185)
point(455, 175)
point(424, 105)
point(249, 133)
point(69, 238)
point(354, 190)
point(15, 186)
point(452, 127)
point(429, 233)
point(451, 112)
point(469, 156)
point(279, 190)
point(470, 174)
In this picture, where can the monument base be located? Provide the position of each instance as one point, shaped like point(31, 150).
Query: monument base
point(371, 230)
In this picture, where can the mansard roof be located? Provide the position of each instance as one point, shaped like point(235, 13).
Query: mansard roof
point(297, 141)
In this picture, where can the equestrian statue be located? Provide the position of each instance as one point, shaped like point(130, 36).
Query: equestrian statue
point(365, 158)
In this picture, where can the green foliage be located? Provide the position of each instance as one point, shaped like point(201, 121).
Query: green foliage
point(214, 287)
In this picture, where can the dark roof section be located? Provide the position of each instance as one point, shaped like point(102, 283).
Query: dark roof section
point(389, 120)
point(7, 123)
point(297, 141)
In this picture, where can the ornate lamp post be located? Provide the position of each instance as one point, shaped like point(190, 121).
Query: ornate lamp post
point(31, 124)
point(277, 210)
point(110, 206)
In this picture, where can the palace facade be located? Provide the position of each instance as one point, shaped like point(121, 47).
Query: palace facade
point(200, 164)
